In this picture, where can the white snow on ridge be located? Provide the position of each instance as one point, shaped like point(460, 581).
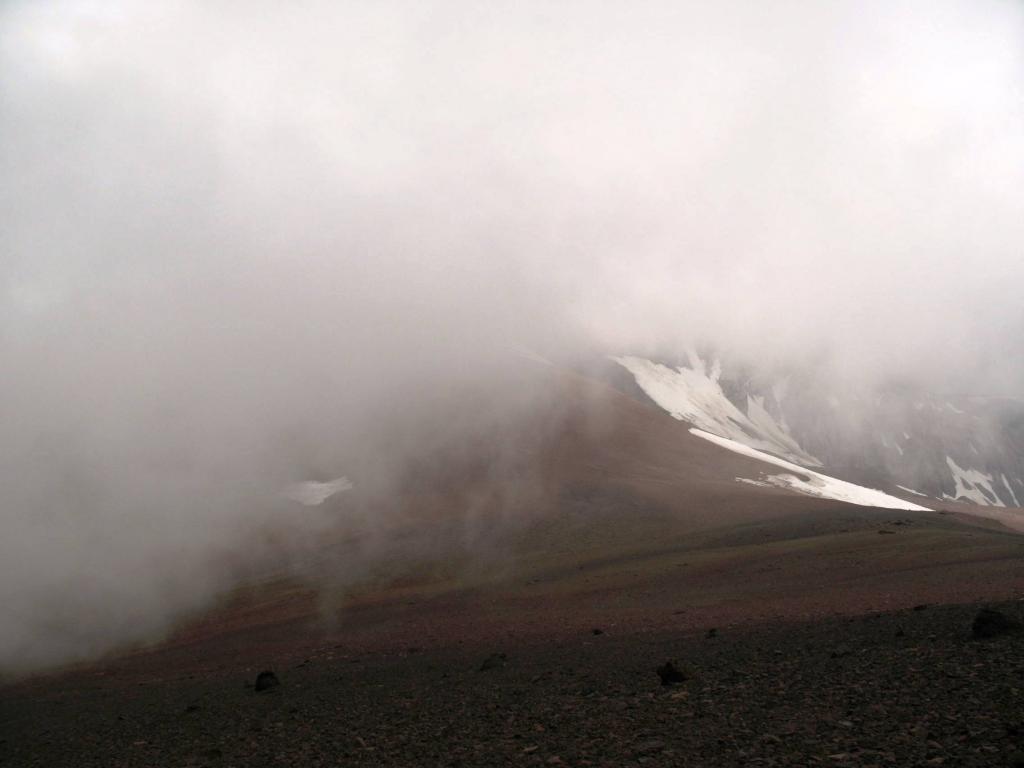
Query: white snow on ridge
point(811, 483)
point(312, 494)
point(694, 394)
point(972, 485)
point(894, 445)
point(1010, 490)
point(911, 490)
point(776, 433)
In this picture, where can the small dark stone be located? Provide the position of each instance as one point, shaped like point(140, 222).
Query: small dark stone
point(670, 674)
point(192, 708)
point(990, 623)
point(265, 681)
point(920, 607)
point(711, 633)
point(597, 631)
point(841, 651)
point(884, 531)
point(493, 661)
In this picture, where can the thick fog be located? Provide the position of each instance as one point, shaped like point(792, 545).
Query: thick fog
point(248, 244)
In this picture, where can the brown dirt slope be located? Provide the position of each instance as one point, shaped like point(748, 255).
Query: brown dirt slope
point(640, 531)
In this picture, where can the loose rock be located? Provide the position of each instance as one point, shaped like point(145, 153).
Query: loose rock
point(494, 661)
point(990, 623)
point(265, 681)
point(670, 674)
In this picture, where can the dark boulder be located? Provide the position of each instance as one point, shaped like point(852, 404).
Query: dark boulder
point(990, 623)
point(670, 674)
point(494, 661)
point(265, 681)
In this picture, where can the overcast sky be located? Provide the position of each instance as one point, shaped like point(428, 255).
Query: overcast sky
point(231, 226)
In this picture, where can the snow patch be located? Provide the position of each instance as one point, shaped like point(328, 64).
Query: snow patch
point(312, 494)
point(1010, 491)
point(775, 432)
point(973, 485)
point(808, 481)
point(694, 394)
point(911, 490)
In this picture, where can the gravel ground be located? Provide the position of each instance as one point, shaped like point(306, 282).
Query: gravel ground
point(910, 688)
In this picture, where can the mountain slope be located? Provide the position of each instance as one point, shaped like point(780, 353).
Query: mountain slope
point(900, 439)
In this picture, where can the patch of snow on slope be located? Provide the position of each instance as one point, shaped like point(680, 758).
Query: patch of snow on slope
point(810, 482)
point(776, 433)
point(911, 490)
point(894, 445)
point(694, 394)
point(1010, 490)
point(313, 494)
point(973, 485)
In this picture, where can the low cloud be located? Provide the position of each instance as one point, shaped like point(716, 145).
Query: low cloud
point(248, 246)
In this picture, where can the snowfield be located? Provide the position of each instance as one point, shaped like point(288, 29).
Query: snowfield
point(694, 394)
point(742, 412)
point(808, 481)
point(972, 485)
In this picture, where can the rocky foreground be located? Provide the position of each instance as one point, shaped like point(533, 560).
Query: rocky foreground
point(911, 688)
